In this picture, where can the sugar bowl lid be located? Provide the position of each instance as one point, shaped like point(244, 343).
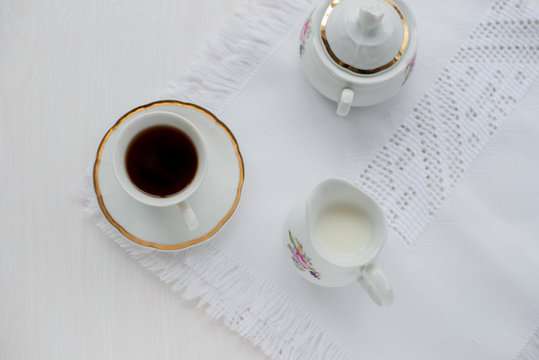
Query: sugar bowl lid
point(364, 36)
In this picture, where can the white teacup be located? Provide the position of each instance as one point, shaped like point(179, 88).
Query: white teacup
point(137, 125)
point(333, 237)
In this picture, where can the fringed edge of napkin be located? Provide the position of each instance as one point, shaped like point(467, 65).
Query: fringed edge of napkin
point(248, 304)
point(217, 73)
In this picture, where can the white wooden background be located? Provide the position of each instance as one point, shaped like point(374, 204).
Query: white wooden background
point(68, 70)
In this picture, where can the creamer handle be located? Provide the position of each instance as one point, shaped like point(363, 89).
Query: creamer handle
point(375, 283)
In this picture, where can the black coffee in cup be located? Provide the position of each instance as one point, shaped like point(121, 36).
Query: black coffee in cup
point(161, 160)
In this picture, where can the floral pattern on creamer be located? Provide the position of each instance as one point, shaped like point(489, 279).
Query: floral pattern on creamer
point(305, 33)
point(301, 260)
point(409, 69)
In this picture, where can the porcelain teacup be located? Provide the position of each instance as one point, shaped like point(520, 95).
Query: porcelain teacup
point(138, 125)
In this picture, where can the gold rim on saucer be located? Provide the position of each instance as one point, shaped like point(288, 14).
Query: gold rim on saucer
point(341, 63)
point(152, 244)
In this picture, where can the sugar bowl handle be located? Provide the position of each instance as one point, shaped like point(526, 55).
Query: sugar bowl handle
point(347, 97)
point(375, 283)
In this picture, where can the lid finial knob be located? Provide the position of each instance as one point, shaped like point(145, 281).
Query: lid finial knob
point(370, 17)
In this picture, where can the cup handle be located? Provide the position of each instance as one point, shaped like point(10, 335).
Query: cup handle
point(188, 215)
point(374, 281)
point(347, 96)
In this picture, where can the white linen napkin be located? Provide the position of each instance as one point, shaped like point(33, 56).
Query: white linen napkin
point(462, 257)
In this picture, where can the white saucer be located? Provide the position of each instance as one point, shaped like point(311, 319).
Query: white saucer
point(213, 202)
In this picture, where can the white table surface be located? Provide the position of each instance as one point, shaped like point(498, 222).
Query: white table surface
point(68, 70)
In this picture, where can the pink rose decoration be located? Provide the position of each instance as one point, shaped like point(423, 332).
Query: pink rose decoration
point(301, 260)
point(304, 30)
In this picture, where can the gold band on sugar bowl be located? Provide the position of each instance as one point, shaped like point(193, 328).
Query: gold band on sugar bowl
point(341, 63)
